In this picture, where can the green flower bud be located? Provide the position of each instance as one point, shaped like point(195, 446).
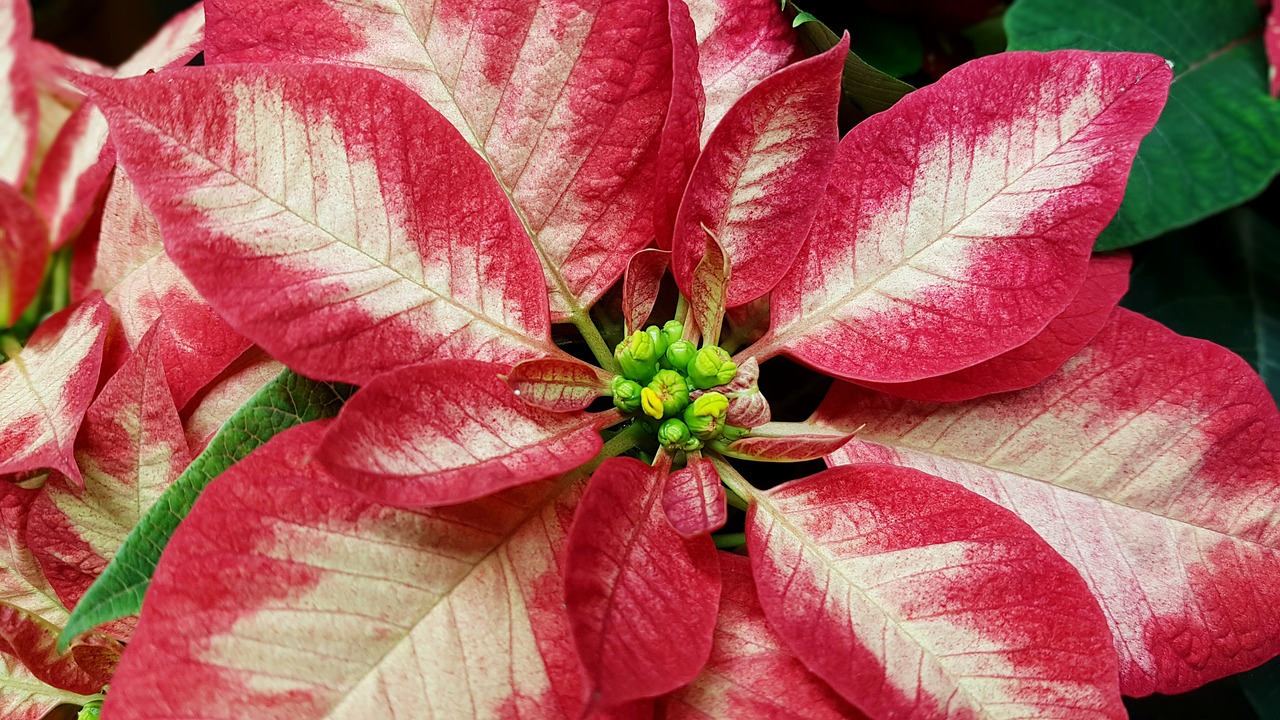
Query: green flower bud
point(91, 711)
point(673, 434)
point(705, 417)
point(660, 341)
point(666, 395)
point(637, 356)
point(673, 330)
point(692, 444)
point(626, 394)
point(680, 354)
point(711, 367)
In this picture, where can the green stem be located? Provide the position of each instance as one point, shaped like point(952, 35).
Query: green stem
point(729, 541)
point(595, 341)
point(625, 440)
point(740, 491)
point(9, 345)
point(682, 310)
point(60, 282)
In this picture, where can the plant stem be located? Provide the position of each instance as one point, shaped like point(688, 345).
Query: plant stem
point(617, 445)
point(595, 341)
point(739, 489)
point(60, 282)
point(728, 541)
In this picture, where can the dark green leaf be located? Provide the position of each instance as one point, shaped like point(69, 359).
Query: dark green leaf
point(1218, 140)
point(286, 401)
point(864, 90)
point(1218, 280)
point(1262, 687)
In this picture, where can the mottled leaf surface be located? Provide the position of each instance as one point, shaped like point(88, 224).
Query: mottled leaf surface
point(577, 106)
point(330, 215)
point(287, 401)
point(959, 222)
point(130, 448)
point(46, 388)
point(1149, 461)
point(141, 283)
point(753, 184)
point(461, 612)
point(751, 674)
point(641, 599)
point(740, 43)
point(450, 431)
point(18, 108)
point(1028, 364)
point(915, 598)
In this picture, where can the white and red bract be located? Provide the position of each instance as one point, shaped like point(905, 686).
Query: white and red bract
point(141, 284)
point(641, 599)
point(1149, 462)
point(578, 107)
point(388, 236)
point(958, 223)
point(751, 674)
point(1039, 357)
point(130, 447)
point(460, 610)
point(914, 601)
point(79, 162)
point(24, 245)
point(18, 108)
point(46, 388)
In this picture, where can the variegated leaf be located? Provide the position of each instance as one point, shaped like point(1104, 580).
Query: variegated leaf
point(1040, 357)
point(693, 498)
point(18, 108)
point(22, 584)
point(80, 160)
point(751, 674)
point(130, 448)
point(33, 641)
point(915, 598)
point(24, 697)
point(450, 431)
point(641, 599)
point(709, 289)
point(640, 286)
point(740, 43)
point(24, 248)
point(250, 613)
point(46, 387)
point(577, 106)
point(959, 222)
point(142, 285)
point(786, 442)
point(754, 183)
point(558, 384)
point(1150, 462)
point(330, 215)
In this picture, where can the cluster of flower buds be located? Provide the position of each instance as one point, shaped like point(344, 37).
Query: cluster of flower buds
point(659, 370)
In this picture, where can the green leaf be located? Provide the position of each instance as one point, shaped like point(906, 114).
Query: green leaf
point(286, 401)
point(864, 90)
point(1218, 280)
point(1218, 140)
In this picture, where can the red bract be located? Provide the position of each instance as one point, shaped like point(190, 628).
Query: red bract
point(408, 196)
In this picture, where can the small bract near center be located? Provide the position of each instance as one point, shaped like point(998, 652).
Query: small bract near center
point(667, 383)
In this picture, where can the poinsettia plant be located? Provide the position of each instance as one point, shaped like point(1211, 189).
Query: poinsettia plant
point(554, 247)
